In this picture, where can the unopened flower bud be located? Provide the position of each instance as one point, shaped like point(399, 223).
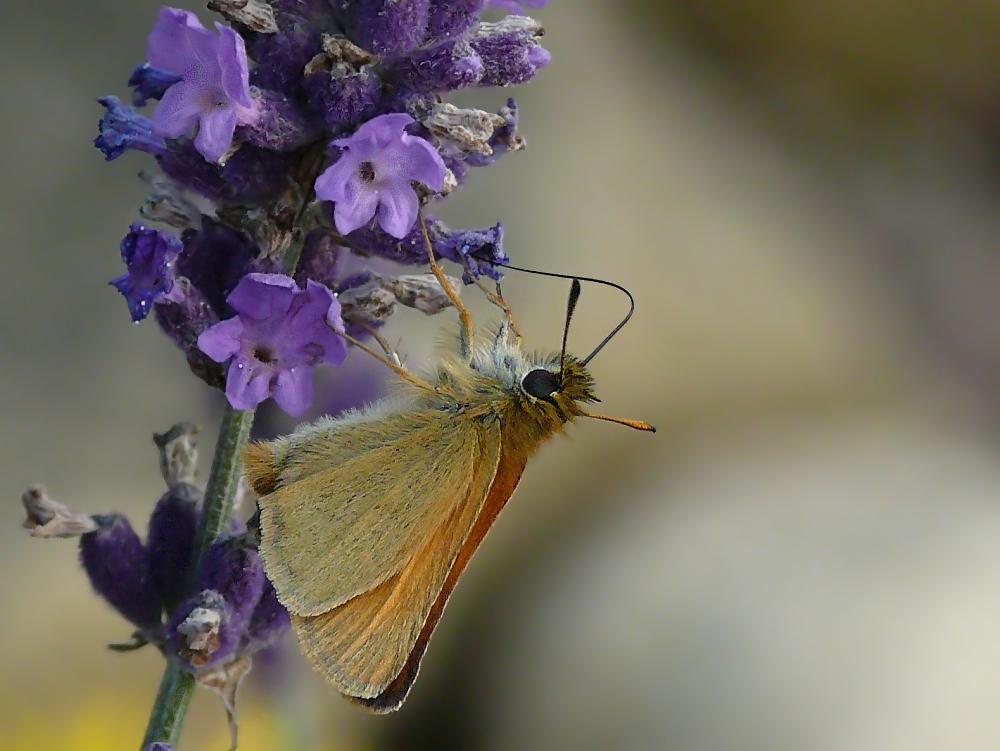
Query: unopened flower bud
point(118, 568)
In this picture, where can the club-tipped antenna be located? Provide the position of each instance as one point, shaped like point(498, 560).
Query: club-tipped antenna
point(574, 297)
point(578, 279)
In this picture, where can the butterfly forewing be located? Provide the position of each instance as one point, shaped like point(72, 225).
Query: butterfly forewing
point(378, 508)
point(363, 645)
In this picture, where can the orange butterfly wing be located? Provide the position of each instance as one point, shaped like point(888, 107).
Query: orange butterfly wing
point(371, 646)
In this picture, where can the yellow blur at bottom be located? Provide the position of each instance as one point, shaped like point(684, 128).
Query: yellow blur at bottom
point(113, 722)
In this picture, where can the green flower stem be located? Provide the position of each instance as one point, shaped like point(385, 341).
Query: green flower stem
point(171, 706)
point(177, 686)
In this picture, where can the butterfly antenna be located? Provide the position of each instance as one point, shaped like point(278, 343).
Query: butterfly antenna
point(636, 424)
point(578, 279)
point(574, 297)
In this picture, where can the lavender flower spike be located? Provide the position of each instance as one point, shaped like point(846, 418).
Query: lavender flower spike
point(279, 334)
point(215, 88)
point(149, 255)
point(375, 171)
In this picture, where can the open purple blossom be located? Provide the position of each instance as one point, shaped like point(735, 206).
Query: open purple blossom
point(279, 333)
point(375, 171)
point(149, 255)
point(122, 128)
point(214, 92)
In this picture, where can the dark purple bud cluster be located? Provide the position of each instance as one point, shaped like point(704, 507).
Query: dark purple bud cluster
point(301, 131)
point(233, 611)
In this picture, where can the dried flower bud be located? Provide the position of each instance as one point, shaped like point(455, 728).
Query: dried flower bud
point(225, 680)
point(118, 568)
point(167, 204)
point(467, 131)
point(178, 453)
point(199, 631)
point(255, 15)
point(367, 301)
point(47, 518)
point(422, 291)
point(342, 83)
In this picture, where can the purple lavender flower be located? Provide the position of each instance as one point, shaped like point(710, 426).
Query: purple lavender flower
point(375, 171)
point(270, 620)
point(319, 259)
point(209, 626)
point(122, 128)
point(184, 322)
point(452, 18)
point(279, 334)
point(515, 7)
point(214, 259)
point(215, 90)
point(509, 50)
point(116, 564)
point(281, 125)
point(386, 27)
point(446, 67)
point(250, 176)
point(159, 746)
point(173, 529)
point(150, 83)
point(479, 251)
point(149, 255)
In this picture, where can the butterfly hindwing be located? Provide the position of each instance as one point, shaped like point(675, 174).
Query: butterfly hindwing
point(364, 644)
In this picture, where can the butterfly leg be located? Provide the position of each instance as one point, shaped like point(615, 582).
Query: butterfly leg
point(466, 331)
point(509, 325)
point(389, 351)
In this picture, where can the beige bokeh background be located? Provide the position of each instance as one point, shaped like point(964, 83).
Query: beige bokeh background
point(806, 556)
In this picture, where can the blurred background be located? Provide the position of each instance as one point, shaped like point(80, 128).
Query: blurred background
point(803, 199)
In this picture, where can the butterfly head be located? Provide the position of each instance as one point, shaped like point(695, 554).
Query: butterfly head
point(556, 387)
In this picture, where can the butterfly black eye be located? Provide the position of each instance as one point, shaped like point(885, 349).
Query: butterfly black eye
point(540, 383)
